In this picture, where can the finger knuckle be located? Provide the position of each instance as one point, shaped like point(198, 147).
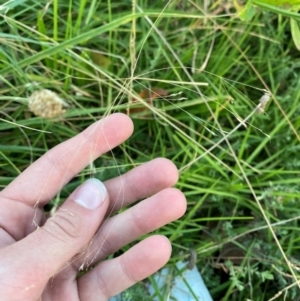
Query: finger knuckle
point(104, 286)
point(64, 225)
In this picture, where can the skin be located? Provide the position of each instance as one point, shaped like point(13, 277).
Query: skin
point(42, 263)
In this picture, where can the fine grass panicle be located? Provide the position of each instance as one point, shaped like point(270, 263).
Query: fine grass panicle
point(217, 95)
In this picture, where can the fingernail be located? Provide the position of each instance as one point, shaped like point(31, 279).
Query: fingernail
point(90, 194)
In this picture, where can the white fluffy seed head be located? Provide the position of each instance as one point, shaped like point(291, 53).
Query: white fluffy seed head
point(263, 102)
point(45, 103)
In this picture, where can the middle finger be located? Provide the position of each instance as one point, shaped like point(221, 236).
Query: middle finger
point(141, 182)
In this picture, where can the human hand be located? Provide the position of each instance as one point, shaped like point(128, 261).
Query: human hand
point(43, 263)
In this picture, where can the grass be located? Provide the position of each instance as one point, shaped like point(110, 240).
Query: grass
point(100, 56)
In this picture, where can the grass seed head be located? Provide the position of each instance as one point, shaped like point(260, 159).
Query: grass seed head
point(192, 259)
point(263, 102)
point(45, 103)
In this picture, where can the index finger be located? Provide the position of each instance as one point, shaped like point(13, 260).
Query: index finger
point(39, 183)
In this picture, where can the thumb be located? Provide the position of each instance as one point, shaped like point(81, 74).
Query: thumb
point(50, 249)
point(74, 224)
